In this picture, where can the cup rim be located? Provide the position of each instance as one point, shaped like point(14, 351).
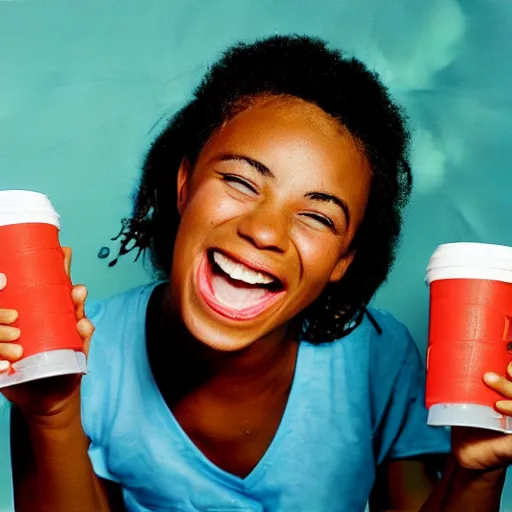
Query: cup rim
point(459, 249)
point(470, 260)
point(26, 206)
point(468, 272)
point(17, 194)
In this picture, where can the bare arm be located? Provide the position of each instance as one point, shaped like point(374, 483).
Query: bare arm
point(412, 486)
point(404, 485)
point(467, 489)
point(51, 467)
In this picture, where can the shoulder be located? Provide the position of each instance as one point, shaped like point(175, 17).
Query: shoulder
point(394, 346)
point(119, 322)
point(380, 337)
point(118, 338)
point(106, 312)
point(374, 354)
point(383, 353)
point(394, 358)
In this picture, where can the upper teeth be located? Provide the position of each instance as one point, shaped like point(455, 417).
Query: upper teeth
point(239, 271)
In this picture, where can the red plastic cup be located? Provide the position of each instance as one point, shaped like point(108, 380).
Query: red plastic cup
point(38, 288)
point(470, 333)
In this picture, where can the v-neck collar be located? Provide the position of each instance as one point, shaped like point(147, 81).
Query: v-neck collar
point(176, 431)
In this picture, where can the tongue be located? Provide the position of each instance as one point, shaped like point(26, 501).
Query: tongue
point(236, 294)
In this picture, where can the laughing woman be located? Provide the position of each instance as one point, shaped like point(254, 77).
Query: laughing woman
point(252, 375)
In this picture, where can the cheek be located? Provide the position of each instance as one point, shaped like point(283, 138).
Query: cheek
point(319, 255)
point(209, 205)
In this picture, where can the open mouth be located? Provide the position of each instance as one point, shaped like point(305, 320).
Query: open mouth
point(235, 290)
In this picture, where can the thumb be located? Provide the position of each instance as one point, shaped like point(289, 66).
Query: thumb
point(86, 330)
point(86, 347)
point(68, 253)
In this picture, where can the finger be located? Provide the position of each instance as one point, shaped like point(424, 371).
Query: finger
point(8, 316)
point(8, 333)
point(499, 383)
point(509, 370)
point(505, 407)
point(86, 330)
point(3, 281)
point(10, 352)
point(4, 366)
point(79, 294)
point(67, 259)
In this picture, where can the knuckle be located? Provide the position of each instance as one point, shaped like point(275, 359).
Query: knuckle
point(464, 462)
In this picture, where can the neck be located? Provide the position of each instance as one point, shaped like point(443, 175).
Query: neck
point(268, 362)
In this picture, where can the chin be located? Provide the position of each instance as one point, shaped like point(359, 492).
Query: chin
point(219, 337)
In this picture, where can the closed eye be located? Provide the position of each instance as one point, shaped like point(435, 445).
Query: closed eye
point(238, 183)
point(321, 219)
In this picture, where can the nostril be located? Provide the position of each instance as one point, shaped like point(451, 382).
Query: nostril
point(263, 241)
point(264, 229)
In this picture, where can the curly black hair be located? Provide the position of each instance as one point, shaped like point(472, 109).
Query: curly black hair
point(345, 89)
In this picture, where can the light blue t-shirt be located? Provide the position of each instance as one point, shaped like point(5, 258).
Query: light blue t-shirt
point(354, 403)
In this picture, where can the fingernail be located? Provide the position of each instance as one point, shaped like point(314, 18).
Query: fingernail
point(491, 378)
point(4, 365)
point(3, 281)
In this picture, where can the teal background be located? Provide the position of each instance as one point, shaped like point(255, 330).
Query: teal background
point(85, 84)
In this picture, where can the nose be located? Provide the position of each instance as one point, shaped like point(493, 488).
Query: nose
point(265, 228)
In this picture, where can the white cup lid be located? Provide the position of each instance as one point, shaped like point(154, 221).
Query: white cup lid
point(25, 206)
point(468, 260)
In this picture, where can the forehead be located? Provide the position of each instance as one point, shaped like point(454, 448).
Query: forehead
point(297, 131)
point(298, 142)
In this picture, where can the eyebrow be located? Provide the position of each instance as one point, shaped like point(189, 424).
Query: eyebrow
point(329, 198)
point(315, 195)
point(258, 166)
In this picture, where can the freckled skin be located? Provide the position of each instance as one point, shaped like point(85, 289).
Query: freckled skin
point(228, 382)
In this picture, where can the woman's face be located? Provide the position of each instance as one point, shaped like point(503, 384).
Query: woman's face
point(267, 216)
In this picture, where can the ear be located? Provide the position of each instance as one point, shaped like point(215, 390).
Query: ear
point(342, 266)
point(182, 184)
